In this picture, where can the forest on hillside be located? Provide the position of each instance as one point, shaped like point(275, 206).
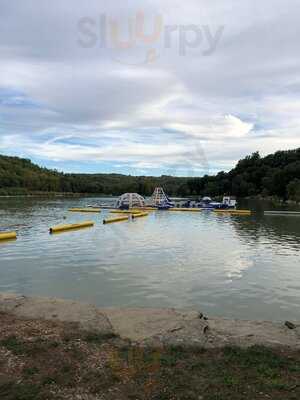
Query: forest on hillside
point(276, 175)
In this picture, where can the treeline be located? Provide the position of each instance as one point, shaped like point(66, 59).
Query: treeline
point(21, 176)
point(276, 175)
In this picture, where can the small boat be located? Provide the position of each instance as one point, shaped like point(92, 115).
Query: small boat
point(166, 205)
point(207, 204)
point(227, 204)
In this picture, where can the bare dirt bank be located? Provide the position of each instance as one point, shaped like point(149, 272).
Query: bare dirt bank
point(155, 326)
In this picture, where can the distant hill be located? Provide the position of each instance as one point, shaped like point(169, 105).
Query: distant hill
point(21, 176)
point(277, 175)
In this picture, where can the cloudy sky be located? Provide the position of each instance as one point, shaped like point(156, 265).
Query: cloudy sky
point(148, 87)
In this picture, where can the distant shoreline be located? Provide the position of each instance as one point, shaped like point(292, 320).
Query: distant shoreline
point(51, 194)
point(274, 200)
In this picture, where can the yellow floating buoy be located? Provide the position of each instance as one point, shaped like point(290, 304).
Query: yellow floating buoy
point(186, 209)
point(118, 219)
point(86, 210)
point(125, 212)
point(140, 215)
point(234, 212)
point(68, 227)
point(8, 235)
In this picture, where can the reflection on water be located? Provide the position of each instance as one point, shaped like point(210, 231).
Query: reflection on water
point(243, 267)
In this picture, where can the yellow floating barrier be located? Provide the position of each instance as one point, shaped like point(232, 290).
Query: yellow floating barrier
point(124, 212)
point(234, 212)
point(8, 235)
point(86, 210)
point(186, 209)
point(112, 220)
point(145, 209)
point(140, 215)
point(68, 227)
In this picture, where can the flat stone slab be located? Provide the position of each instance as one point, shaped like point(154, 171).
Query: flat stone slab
point(155, 326)
point(249, 333)
point(87, 316)
point(143, 323)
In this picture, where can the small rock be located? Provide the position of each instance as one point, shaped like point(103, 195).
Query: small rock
point(290, 325)
point(176, 329)
point(205, 329)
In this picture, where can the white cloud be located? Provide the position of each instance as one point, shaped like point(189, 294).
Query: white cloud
point(226, 127)
point(202, 112)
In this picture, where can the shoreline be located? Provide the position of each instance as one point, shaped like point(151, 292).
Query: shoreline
point(154, 327)
point(45, 194)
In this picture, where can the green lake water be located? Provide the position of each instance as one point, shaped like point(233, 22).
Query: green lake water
point(232, 266)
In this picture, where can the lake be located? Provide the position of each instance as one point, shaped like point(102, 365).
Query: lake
point(231, 266)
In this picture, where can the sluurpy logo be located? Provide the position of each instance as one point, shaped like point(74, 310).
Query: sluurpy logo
point(139, 40)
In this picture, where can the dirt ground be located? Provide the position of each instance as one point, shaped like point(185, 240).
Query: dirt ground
point(42, 360)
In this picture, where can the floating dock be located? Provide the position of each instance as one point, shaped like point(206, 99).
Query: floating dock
point(125, 212)
point(283, 213)
point(118, 219)
point(68, 227)
point(8, 235)
point(145, 208)
point(186, 209)
point(85, 210)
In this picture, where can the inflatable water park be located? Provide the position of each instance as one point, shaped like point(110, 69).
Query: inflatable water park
point(161, 201)
point(134, 203)
point(131, 206)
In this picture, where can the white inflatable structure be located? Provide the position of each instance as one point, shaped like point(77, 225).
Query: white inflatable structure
point(130, 200)
point(159, 197)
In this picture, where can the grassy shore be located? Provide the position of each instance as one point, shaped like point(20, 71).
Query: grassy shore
point(42, 360)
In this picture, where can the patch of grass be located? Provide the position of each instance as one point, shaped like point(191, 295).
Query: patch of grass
point(21, 391)
point(75, 352)
point(98, 381)
point(13, 344)
point(67, 368)
point(98, 338)
point(255, 356)
point(89, 337)
point(232, 373)
point(64, 375)
point(39, 346)
point(168, 360)
point(277, 384)
point(49, 380)
point(80, 362)
point(70, 336)
point(27, 372)
point(18, 347)
point(230, 380)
